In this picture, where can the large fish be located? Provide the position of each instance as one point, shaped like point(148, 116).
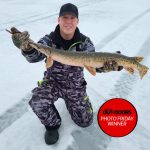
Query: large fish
point(90, 60)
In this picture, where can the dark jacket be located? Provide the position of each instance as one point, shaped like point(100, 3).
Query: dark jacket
point(67, 76)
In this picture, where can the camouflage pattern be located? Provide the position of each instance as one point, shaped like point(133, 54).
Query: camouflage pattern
point(76, 100)
point(61, 81)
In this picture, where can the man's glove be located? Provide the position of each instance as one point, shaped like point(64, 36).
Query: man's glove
point(21, 40)
point(110, 66)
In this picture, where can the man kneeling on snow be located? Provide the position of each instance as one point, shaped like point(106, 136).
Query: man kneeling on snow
point(61, 81)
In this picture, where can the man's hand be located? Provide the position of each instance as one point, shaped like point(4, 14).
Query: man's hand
point(110, 66)
point(21, 40)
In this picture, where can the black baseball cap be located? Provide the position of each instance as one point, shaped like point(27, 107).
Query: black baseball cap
point(68, 9)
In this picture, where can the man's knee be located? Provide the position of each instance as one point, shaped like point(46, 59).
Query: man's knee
point(84, 121)
point(34, 101)
point(38, 104)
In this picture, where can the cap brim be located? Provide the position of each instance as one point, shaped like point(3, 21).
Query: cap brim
point(68, 13)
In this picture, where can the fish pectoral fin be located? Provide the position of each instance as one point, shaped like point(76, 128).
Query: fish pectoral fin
point(49, 62)
point(129, 69)
point(92, 70)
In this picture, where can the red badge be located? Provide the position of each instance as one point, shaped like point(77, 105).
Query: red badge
point(117, 117)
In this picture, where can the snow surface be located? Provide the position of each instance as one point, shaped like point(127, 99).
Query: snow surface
point(112, 25)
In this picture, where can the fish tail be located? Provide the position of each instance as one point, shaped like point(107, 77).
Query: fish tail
point(142, 70)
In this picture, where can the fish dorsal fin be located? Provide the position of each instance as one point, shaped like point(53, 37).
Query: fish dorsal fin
point(129, 69)
point(49, 62)
point(138, 58)
point(92, 70)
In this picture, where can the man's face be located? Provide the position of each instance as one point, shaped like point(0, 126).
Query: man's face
point(68, 24)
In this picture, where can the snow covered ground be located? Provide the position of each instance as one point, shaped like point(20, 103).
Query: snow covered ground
point(112, 25)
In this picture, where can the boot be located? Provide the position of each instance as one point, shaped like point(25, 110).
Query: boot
point(51, 136)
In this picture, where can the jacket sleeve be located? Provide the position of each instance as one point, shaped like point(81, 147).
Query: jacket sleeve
point(88, 45)
point(34, 55)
